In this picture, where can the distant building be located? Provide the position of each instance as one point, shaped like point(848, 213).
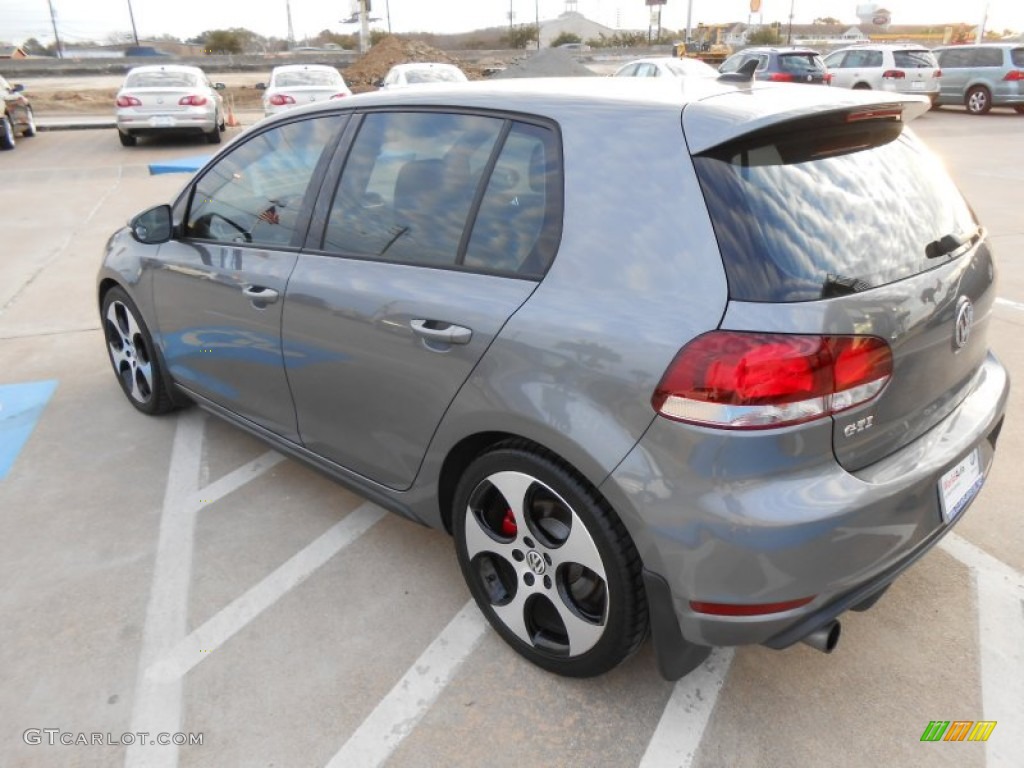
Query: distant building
point(12, 52)
point(572, 23)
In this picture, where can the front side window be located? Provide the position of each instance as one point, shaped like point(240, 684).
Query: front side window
point(254, 194)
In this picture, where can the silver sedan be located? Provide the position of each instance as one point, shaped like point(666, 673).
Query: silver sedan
point(169, 98)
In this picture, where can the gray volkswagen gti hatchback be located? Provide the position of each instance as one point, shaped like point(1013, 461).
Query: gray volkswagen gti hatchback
point(716, 373)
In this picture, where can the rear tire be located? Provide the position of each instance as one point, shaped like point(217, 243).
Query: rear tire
point(127, 140)
point(213, 137)
point(548, 562)
point(30, 128)
point(6, 133)
point(133, 354)
point(979, 100)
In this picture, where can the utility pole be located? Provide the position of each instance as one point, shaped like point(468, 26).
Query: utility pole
point(131, 15)
point(981, 27)
point(789, 34)
point(56, 37)
point(536, 20)
point(364, 26)
point(689, 16)
point(291, 30)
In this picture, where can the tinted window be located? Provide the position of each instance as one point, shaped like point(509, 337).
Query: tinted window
point(627, 71)
point(254, 194)
point(860, 59)
point(955, 57)
point(987, 57)
point(161, 79)
point(306, 77)
point(1017, 57)
point(836, 60)
point(516, 227)
point(828, 209)
point(800, 62)
point(914, 59)
point(408, 185)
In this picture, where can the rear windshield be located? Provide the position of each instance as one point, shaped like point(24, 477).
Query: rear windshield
point(1017, 57)
point(801, 62)
point(310, 77)
point(825, 211)
point(161, 80)
point(434, 76)
point(914, 59)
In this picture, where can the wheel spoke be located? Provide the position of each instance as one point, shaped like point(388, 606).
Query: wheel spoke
point(583, 635)
point(580, 548)
point(117, 356)
point(146, 370)
point(478, 540)
point(512, 614)
point(513, 487)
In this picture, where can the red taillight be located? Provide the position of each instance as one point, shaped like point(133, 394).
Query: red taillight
point(937, 73)
point(192, 101)
point(751, 609)
point(736, 380)
point(280, 99)
point(1014, 74)
point(894, 74)
point(339, 96)
point(128, 101)
point(780, 77)
point(828, 78)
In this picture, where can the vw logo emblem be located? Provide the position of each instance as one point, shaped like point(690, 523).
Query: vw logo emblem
point(964, 320)
point(159, 101)
point(536, 562)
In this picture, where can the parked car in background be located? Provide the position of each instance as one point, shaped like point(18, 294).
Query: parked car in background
point(169, 98)
point(780, 65)
point(721, 386)
point(666, 66)
point(982, 76)
point(900, 68)
point(16, 117)
point(421, 73)
point(296, 84)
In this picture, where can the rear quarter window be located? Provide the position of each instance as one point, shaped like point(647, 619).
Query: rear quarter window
point(987, 57)
point(821, 211)
point(1017, 57)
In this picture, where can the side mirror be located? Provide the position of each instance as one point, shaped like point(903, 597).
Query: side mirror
point(154, 226)
point(17, 88)
point(379, 84)
point(219, 86)
point(261, 86)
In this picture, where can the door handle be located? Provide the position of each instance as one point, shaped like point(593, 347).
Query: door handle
point(260, 293)
point(438, 330)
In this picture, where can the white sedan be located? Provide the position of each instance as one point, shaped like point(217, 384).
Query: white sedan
point(169, 98)
point(297, 84)
point(666, 66)
point(421, 73)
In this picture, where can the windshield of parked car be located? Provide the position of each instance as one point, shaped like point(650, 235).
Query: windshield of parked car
point(161, 80)
point(800, 212)
point(914, 59)
point(307, 77)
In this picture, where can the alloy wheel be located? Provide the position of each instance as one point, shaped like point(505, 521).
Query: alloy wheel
point(129, 352)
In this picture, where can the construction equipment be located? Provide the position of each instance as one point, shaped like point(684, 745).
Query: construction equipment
point(708, 44)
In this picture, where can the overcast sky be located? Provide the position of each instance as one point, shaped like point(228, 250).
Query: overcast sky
point(83, 20)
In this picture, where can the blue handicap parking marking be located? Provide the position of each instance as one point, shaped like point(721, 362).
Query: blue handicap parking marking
point(21, 405)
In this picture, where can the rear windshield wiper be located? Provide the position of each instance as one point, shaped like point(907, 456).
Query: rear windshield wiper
point(841, 285)
point(948, 244)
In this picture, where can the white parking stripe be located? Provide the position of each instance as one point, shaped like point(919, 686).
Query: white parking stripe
point(234, 480)
point(685, 717)
point(233, 617)
point(1001, 640)
point(157, 706)
point(1010, 304)
point(404, 706)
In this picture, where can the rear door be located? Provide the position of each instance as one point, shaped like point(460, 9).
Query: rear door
point(218, 288)
point(434, 234)
point(845, 225)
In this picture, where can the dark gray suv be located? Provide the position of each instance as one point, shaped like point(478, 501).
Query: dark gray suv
point(708, 373)
point(982, 76)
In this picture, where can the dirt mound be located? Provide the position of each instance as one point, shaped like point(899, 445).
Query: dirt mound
point(364, 74)
point(550, 62)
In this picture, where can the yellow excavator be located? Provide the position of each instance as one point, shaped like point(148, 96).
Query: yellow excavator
point(708, 44)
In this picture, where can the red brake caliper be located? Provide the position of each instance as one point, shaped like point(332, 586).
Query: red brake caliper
point(508, 524)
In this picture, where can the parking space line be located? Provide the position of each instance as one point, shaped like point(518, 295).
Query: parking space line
point(235, 479)
point(686, 714)
point(1010, 304)
point(229, 620)
point(1000, 590)
point(404, 706)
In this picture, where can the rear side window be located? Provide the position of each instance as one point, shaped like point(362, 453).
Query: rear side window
point(1017, 57)
point(825, 210)
point(955, 58)
point(987, 57)
point(914, 59)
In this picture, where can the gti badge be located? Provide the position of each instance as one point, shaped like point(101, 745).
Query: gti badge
point(964, 320)
point(859, 425)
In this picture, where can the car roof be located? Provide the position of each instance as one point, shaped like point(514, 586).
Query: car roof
point(300, 67)
point(168, 68)
point(423, 65)
point(779, 49)
point(715, 111)
point(980, 45)
point(886, 46)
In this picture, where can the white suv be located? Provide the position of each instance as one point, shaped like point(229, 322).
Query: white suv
point(901, 68)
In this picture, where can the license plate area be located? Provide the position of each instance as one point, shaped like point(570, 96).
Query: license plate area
point(959, 485)
point(162, 122)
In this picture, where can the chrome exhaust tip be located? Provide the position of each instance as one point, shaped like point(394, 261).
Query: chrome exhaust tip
point(824, 639)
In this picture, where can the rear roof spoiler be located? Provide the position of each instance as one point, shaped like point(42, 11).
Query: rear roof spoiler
point(750, 108)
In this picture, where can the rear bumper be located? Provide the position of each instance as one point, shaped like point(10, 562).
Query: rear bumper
point(178, 122)
point(727, 519)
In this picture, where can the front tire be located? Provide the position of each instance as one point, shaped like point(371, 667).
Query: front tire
point(979, 100)
point(6, 133)
point(548, 562)
point(133, 354)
